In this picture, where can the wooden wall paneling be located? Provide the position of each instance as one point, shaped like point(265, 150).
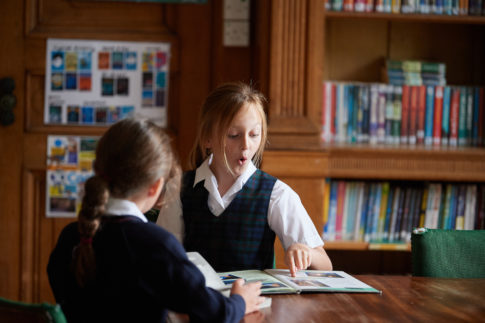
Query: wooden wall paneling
point(289, 112)
point(193, 29)
point(11, 49)
point(260, 38)
point(229, 64)
point(102, 20)
point(355, 49)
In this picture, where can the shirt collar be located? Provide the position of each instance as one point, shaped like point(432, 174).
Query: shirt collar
point(118, 207)
point(205, 173)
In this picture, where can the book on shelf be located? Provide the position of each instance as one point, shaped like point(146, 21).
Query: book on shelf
point(279, 281)
point(438, 115)
point(381, 212)
point(426, 7)
point(399, 115)
point(445, 120)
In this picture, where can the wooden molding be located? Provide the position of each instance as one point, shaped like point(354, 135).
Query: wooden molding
point(292, 66)
point(379, 163)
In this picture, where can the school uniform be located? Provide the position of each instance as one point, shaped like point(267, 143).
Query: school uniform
point(225, 229)
point(141, 272)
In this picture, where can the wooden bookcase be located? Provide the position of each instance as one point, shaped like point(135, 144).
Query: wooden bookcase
point(308, 46)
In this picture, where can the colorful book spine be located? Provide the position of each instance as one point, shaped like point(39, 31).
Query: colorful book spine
point(424, 207)
point(405, 213)
point(381, 114)
point(438, 115)
point(360, 195)
point(476, 116)
point(370, 212)
point(450, 223)
point(396, 120)
point(365, 209)
point(413, 115)
point(446, 207)
point(373, 122)
point(454, 116)
point(445, 125)
point(470, 207)
point(389, 113)
point(462, 119)
point(363, 136)
point(347, 209)
point(348, 5)
point(405, 113)
point(428, 127)
point(421, 114)
point(395, 208)
point(460, 210)
point(326, 206)
point(382, 211)
point(376, 212)
point(369, 5)
point(399, 216)
point(469, 116)
point(341, 113)
point(387, 220)
point(328, 111)
point(332, 213)
point(340, 209)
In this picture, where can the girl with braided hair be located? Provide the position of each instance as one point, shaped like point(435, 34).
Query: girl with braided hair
point(112, 265)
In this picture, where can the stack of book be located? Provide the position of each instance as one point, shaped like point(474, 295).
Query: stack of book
point(388, 212)
point(392, 114)
point(436, 7)
point(409, 72)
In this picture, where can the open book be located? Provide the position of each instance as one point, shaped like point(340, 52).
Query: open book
point(213, 280)
point(279, 281)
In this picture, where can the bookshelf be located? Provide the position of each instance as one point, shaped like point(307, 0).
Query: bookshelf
point(309, 46)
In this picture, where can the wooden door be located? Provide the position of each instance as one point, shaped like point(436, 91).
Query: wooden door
point(26, 235)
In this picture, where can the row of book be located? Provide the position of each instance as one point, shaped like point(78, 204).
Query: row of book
point(436, 7)
point(407, 72)
point(388, 212)
point(387, 114)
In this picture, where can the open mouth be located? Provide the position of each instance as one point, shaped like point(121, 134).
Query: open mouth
point(242, 160)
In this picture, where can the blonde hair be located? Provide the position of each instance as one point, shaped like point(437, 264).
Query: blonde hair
point(218, 111)
point(130, 156)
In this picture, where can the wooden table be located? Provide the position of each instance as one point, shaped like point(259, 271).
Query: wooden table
point(403, 299)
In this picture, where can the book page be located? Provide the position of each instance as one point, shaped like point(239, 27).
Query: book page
point(211, 277)
point(322, 281)
point(270, 285)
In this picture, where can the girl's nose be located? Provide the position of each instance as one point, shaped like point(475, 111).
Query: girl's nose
point(245, 142)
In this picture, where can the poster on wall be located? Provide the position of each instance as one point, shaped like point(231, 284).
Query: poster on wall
point(92, 82)
point(69, 165)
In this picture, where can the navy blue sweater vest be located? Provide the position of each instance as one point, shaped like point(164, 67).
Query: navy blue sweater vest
point(240, 238)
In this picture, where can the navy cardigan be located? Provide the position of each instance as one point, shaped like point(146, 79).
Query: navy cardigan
point(142, 271)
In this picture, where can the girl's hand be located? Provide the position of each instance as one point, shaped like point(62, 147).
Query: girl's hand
point(298, 257)
point(250, 293)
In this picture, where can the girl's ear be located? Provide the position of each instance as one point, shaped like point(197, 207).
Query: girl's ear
point(156, 187)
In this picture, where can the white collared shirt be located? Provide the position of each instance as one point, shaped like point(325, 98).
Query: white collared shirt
point(117, 207)
point(286, 215)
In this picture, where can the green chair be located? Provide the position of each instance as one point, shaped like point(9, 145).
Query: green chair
point(152, 215)
point(448, 253)
point(19, 312)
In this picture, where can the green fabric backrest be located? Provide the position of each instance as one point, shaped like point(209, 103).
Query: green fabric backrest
point(152, 215)
point(448, 253)
point(18, 312)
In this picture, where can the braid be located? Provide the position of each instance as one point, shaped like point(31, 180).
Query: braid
point(94, 200)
